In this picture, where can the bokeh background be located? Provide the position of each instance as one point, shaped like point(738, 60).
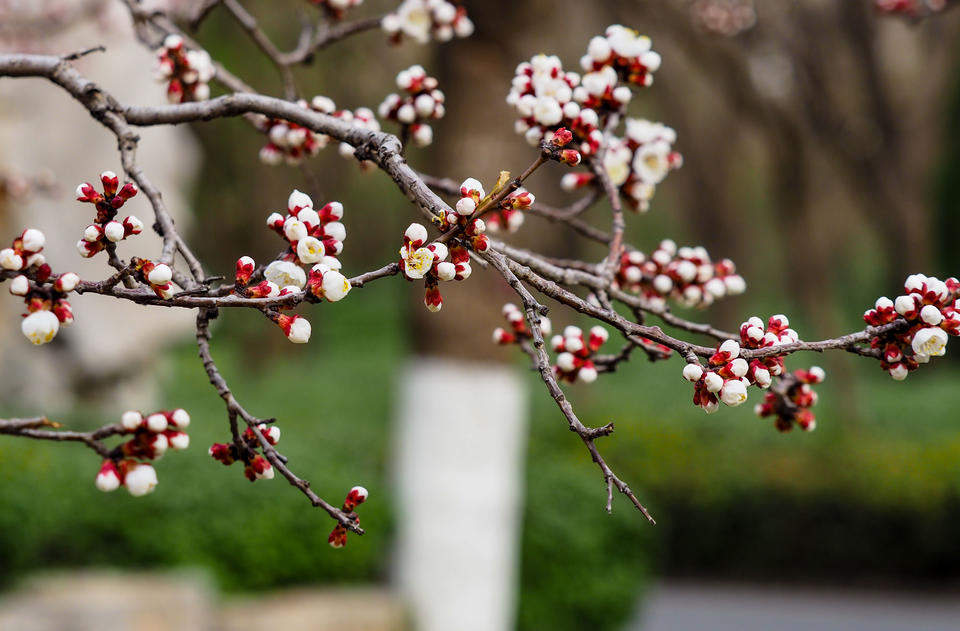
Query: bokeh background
point(820, 143)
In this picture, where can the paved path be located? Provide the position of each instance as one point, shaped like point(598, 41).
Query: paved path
point(689, 607)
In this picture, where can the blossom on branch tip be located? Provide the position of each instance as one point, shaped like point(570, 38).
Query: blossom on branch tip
point(356, 496)
point(290, 143)
point(259, 468)
point(296, 327)
point(106, 229)
point(929, 307)
point(625, 52)
point(422, 101)
point(187, 73)
point(792, 399)
point(685, 274)
point(25, 251)
point(423, 20)
point(575, 353)
point(429, 263)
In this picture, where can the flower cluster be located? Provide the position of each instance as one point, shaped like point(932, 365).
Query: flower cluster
point(726, 380)
point(575, 353)
point(151, 436)
point(635, 164)
point(686, 274)
point(356, 497)
point(289, 142)
point(106, 231)
point(729, 375)
point(621, 53)
point(792, 399)
point(430, 263)
point(313, 236)
point(256, 467)
point(47, 305)
point(426, 19)
point(324, 281)
point(543, 95)
point(465, 215)
point(159, 276)
point(519, 332)
point(186, 72)
point(421, 102)
point(25, 252)
point(336, 8)
point(931, 308)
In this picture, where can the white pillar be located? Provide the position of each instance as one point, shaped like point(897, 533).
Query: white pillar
point(459, 468)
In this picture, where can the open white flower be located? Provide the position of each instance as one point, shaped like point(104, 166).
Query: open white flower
point(283, 273)
point(40, 327)
point(616, 162)
point(930, 342)
point(413, 18)
point(416, 263)
point(651, 162)
point(310, 250)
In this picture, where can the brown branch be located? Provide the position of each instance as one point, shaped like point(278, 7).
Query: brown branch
point(234, 409)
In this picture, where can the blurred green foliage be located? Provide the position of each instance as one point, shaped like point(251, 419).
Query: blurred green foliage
point(333, 408)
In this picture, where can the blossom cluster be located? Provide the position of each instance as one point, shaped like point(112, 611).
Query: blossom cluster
point(151, 436)
point(635, 164)
point(726, 379)
point(289, 142)
point(465, 215)
point(519, 332)
point(543, 95)
point(686, 274)
point(791, 404)
point(624, 52)
point(336, 8)
point(312, 236)
point(106, 230)
point(421, 102)
point(575, 353)
point(728, 375)
point(47, 305)
point(256, 467)
point(422, 20)
point(186, 72)
point(25, 252)
point(931, 308)
point(355, 497)
point(429, 262)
